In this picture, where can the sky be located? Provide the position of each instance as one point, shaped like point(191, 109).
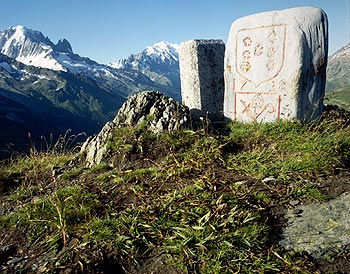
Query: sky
point(108, 30)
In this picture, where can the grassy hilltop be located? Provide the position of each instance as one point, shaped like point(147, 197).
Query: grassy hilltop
point(177, 202)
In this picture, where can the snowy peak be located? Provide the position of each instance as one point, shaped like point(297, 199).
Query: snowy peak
point(155, 66)
point(12, 39)
point(160, 53)
point(164, 50)
point(19, 34)
point(159, 62)
point(29, 47)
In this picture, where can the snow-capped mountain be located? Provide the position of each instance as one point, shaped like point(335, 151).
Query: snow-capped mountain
point(159, 62)
point(47, 88)
point(30, 47)
point(160, 53)
point(156, 67)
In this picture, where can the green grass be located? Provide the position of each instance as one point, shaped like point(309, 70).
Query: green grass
point(53, 219)
point(197, 197)
point(288, 149)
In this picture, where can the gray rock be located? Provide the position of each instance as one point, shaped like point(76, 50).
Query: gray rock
point(160, 264)
point(159, 112)
point(319, 229)
point(95, 146)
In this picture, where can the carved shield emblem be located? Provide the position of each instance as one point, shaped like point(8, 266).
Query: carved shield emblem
point(260, 53)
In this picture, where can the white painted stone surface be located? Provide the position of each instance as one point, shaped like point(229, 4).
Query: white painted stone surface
point(202, 76)
point(275, 65)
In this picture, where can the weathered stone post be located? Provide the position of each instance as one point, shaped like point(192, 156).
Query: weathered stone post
point(275, 65)
point(202, 76)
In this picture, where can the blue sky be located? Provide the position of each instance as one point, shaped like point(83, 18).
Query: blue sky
point(107, 30)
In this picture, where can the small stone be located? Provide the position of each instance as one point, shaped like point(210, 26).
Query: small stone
point(269, 180)
point(294, 202)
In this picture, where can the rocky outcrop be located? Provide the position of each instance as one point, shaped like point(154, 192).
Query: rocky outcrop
point(160, 112)
point(95, 146)
point(157, 111)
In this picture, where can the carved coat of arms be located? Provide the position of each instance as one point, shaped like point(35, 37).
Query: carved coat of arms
point(260, 53)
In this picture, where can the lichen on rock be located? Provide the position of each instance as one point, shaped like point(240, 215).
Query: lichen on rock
point(320, 229)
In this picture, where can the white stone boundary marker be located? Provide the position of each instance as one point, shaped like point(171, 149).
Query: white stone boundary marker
point(202, 76)
point(275, 66)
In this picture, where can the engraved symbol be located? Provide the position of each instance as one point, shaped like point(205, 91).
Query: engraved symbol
point(256, 107)
point(247, 41)
point(245, 65)
point(270, 65)
point(258, 50)
point(259, 59)
point(266, 53)
point(246, 55)
point(272, 36)
point(271, 52)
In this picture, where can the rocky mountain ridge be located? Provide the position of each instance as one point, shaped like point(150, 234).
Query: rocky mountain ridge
point(338, 72)
point(30, 47)
point(159, 63)
point(338, 78)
